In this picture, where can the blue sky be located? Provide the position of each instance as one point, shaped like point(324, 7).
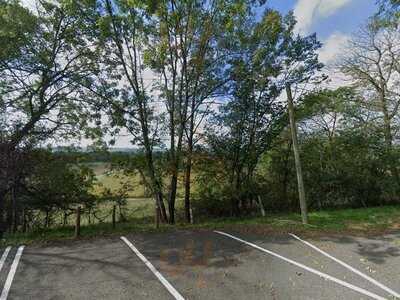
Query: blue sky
point(339, 15)
point(334, 21)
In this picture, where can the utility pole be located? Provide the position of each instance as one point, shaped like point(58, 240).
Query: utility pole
point(299, 172)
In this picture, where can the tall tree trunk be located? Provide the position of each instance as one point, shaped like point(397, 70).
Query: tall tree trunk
point(237, 197)
point(300, 183)
point(155, 182)
point(160, 201)
point(176, 154)
point(389, 139)
point(143, 113)
point(285, 180)
point(157, 192)
point(188, 172)
point(386, 121)
point(172, 196)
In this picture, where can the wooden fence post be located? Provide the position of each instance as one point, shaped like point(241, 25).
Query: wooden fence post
point(113, 217)
point(191, 216)
point(78, 222)
point(65, 218)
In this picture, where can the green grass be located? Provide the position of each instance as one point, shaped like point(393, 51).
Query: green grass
point(88, 231)
point(348, 221)
point(363, 219)
point(114, 180)
point(138, 205)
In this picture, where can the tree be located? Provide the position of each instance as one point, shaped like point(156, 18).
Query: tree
point(43, 67)
point(42, 74)
point(175, 43)
point(389, 13)
point(344, 155)
point(248, 123)
point(53, 185)
point(372, 62)
point(185, 52)
point(121, 84)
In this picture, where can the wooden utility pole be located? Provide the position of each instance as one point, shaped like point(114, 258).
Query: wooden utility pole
point(299, 172)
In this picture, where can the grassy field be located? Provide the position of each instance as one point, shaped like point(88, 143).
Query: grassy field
point(365, 221)
point(114, 180)
point(139, 205)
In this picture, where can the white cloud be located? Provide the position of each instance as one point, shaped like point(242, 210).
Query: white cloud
point(307, 11)
point(330, 52)
point(332, 47)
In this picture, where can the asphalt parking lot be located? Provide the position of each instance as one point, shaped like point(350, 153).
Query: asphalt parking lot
point(205, 265)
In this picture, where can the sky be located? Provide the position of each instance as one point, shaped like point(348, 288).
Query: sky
point(333, 21)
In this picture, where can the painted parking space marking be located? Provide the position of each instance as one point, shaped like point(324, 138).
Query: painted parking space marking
point(11, 274)
point(4, 257)
point(370, 279)
point(304, 267)
point(160, 277)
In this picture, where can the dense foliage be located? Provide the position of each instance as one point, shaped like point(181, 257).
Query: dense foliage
point(201, 89)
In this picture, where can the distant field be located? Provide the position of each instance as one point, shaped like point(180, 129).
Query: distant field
point(114, 180)
point(139, 204)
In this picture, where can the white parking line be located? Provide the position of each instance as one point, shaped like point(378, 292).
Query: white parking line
point(4, 257)
point(10, 277)
point(311, 270)
point(370, 279)
point(160, 277)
